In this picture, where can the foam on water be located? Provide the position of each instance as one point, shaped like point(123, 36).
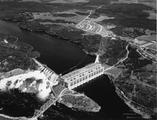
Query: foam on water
point(42, 89)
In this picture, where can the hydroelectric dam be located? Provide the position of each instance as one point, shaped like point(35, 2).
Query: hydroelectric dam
point(73, 79)
point(76, 77)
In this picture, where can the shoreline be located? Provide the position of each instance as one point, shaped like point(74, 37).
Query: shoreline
point(6, 117)
point(43, 32)
point(131, 104)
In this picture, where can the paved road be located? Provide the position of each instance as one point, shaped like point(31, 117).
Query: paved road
point(2, 117)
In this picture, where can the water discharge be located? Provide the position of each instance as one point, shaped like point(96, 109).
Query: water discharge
point(29, 82)
point(60, 56)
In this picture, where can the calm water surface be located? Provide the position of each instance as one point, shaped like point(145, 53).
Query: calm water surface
point(63, 56)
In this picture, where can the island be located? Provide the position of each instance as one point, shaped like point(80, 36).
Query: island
point(122, 36)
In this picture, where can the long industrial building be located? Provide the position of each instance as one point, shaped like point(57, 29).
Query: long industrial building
point(83, 75)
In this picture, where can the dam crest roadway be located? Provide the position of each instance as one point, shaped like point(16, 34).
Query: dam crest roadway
point(73, 79)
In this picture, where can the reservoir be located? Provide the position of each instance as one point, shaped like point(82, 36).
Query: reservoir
point(62, 56)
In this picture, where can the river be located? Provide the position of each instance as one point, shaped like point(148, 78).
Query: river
point(62, 57)
point(59, 55)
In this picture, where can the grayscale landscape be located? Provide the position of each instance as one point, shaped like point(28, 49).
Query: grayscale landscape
point(78, 60)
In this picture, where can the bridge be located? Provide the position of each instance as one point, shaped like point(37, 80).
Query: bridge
point(77, 77)
point(73, 79)
point(52, 101)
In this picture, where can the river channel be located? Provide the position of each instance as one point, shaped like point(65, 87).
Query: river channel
point(62, 56)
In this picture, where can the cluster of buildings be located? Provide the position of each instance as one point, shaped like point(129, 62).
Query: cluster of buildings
point(147, 45)
point(146, 41)
point(91, 26)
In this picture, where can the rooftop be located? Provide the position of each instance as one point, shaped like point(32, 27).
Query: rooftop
point(78, 71)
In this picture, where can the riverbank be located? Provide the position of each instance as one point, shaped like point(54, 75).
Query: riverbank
point(5, 117)
point(15, 54)
point(135, 87)
point(48, 40)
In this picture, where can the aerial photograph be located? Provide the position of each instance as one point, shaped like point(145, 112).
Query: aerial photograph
point(78, 60)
